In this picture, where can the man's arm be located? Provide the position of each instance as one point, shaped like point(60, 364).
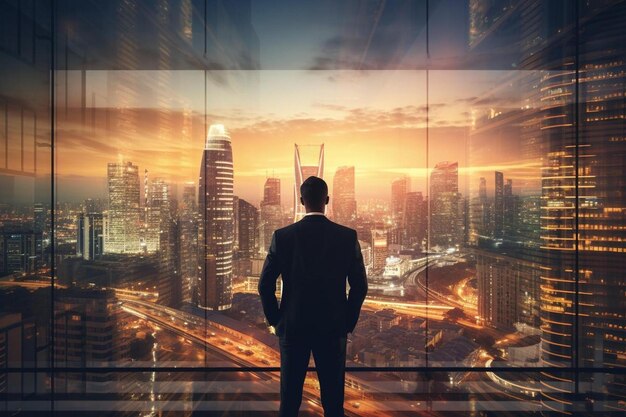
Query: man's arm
point(358, 286)
point(267, 284)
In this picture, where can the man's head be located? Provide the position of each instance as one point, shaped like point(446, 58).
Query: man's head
point(314, 194)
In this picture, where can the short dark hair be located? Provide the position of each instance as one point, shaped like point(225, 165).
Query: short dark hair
point(314, 192)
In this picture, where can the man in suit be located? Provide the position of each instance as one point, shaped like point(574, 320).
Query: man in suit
point(314, 257)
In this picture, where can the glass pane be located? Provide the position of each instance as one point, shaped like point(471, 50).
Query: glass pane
point(25, 207)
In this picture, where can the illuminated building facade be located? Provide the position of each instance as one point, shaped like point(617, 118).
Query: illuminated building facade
point(215, 203)
point(124, 216)
point(304, 170)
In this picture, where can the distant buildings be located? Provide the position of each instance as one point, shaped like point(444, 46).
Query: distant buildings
point(122, 234)
point(343, 199)
point(215, 203)
point(303, 170)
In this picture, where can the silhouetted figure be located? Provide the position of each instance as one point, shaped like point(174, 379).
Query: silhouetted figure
point(314, 256)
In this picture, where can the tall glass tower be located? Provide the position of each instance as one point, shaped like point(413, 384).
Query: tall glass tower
point(124, 221)
point(215, 202)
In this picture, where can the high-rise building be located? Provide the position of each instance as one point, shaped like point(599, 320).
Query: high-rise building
point(498, 206)
point(305, 167)
point(480, 214)
point(380, 249)
point(271, 191)
point(247, 220)
point(215, 202)
point(90, 235)
point(188, 229)
point(20, 251)
point(413, 219)
point(39, 217)
point(124, 222)
point(445, 230)
point(271, 212)
point(157, 213)
point(343, 198)
point(87, 333)
point(399, 188)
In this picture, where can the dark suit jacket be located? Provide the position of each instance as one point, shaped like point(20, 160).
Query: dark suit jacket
point(314, 257)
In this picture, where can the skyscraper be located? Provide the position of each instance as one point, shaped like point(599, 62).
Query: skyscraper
point(343, 198)
point(271, 212)
point(215, 202)
point(380, 249)
point(310, 167)
point(124, 221)
point(498, 206)
point(157, 212)
point(399, 188)
point(444, 230)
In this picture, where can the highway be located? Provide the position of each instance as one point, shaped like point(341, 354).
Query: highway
point(244, 350)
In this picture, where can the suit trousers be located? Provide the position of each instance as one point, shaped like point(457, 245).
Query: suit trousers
point(329, 353)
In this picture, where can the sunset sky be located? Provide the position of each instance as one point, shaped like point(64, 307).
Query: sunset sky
point(374, 120)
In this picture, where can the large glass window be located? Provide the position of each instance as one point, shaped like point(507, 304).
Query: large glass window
point(149, 149)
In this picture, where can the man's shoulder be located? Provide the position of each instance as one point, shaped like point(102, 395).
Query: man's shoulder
point(344, 230)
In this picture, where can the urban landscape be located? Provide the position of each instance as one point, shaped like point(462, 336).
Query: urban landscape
point(489, 206)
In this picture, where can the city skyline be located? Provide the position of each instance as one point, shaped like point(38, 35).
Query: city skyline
point(148, 154)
